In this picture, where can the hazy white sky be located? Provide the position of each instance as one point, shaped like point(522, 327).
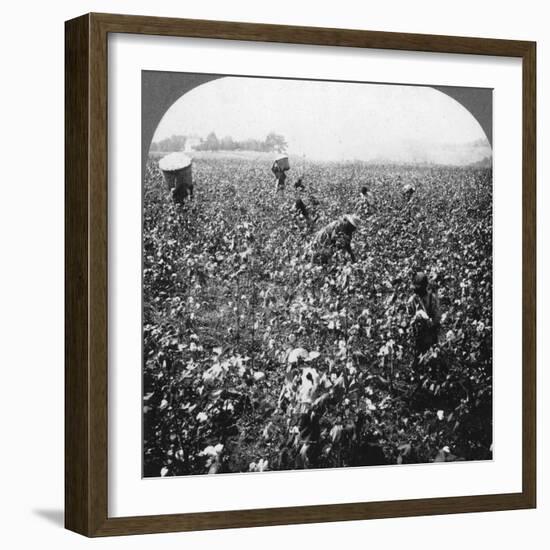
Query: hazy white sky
point(327, 120)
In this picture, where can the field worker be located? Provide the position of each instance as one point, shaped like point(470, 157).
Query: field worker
point(366, 201)
point(301, 208)
point(408, 191)
point(279, 171)
point(423, 306)
point(336, 235)
point(299, 184)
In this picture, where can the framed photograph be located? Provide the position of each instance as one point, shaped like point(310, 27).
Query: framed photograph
point(300, 275)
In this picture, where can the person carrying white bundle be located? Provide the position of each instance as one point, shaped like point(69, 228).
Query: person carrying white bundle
point(279, 168)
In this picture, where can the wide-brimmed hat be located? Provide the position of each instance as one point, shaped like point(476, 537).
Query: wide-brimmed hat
point(353, 219)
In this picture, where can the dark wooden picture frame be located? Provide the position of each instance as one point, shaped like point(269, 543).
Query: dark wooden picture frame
point(86, 283)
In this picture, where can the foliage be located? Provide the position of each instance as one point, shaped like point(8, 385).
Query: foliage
point(170, 144)
point(257, 359)
point(272, 143)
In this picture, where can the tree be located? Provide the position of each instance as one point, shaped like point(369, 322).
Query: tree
point(227, 144)
point(275, 142)
point(211, 143)
point(170, 144)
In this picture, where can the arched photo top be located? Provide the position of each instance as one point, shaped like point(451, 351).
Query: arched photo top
point(322, 120)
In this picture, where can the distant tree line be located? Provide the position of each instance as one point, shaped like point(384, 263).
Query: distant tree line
point(170, 144)
point(272, 143)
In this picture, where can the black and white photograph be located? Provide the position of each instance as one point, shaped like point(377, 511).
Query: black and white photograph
point(317, 274)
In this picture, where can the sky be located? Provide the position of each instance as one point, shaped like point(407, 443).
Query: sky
point(332, 120)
